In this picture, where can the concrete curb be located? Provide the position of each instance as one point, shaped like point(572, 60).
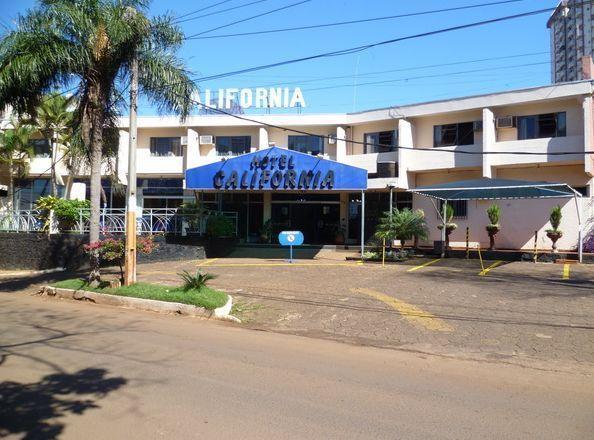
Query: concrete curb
point(151, 305)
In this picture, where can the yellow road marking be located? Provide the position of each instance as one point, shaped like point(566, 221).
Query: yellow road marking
point(566, 271)
point(282, 264)
point(207, 262)
point(423, 265)
point(485, 271)
point(408, 311)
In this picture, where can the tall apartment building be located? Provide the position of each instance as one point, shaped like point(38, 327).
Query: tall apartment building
point(572, 38)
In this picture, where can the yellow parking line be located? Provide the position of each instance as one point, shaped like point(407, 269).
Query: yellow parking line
point(282, 264)
point(207, 262)
point(423, 265)
point(566, 271)
point(408, 311)
point(485, 271)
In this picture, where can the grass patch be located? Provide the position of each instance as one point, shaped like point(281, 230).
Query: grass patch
point(205, 297)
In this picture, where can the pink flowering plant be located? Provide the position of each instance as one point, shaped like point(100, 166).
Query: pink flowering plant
point(113, 249)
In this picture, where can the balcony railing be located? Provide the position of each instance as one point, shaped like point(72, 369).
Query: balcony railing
point(113, 221)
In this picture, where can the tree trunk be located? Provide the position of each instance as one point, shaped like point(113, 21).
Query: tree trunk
point(10, 189)
point(92, 127)
point(53, 155)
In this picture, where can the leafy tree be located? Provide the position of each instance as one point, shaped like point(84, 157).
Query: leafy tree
point(401, 225)
point(54, 118)
point(14, 152)
point(90, 45)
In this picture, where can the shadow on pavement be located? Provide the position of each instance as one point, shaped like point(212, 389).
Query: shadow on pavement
point(32, 409)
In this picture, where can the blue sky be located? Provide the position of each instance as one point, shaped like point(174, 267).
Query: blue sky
point(526, 37)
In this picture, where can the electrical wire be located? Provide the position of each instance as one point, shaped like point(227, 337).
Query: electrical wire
point(220, 11)
point(361, 48)
point(365, 20)
point(249, 18)
point(200, 10)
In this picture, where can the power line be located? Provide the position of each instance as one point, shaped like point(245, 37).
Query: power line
point(403, 69)
point(366, 20)
point(388, 81)
point(202, 9)
point(379, 43)
point(249, 18)
point(220, 11)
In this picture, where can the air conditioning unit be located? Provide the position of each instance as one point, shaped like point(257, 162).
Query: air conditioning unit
point(506, 122)
point(477, 126)
point(331, 139)
point(184, 140)
point(207, 139)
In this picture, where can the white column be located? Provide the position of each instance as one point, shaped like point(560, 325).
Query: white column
point(405, 156)
point(489, 139)
point(192, 158)
point(341, 149)
point(588, 135)
point(263, 136)
point(122, 160)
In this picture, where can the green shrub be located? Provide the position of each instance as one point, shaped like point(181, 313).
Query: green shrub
point(494, 213)
point(192, 212)
point(555, 218)
point(66, 212)
point(219, 226)
point(195, 282)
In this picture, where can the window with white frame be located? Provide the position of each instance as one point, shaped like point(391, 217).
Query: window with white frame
point(166, 146)
point(449, 135)
point(233, 145)
point(381, 141)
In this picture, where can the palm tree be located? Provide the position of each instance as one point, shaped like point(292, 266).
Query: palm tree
point(89, 45)
point(54, 118)
point(402, 225)
point(14, 152)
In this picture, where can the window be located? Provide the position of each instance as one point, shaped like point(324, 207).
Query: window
point(233, 145)
point(27, 191)
point(381, 142)
point(161, 186)
point(166, 146)
point(583, 190)
point(313, 145)
point(450, 135)
point(541, 126)
point(460, 208)
point(403, 200)
point(41, 147)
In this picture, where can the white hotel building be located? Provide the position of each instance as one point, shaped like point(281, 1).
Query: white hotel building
point(542, 120)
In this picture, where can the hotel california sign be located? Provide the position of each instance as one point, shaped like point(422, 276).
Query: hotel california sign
point(260, 97)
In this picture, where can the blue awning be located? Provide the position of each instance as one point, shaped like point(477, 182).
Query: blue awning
point(276, 169)
point(495, 189)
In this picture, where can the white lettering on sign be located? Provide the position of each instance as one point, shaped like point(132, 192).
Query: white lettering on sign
point(276, 97)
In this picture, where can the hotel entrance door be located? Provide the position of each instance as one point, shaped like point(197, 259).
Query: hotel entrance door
point(319, 220)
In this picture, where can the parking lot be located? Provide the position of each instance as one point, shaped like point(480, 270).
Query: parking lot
point(540, 315)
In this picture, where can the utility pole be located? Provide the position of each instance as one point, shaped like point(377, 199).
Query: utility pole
point(130, 255)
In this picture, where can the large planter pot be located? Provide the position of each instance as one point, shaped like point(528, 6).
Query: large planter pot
point(492, 230)
point(554, 236)
point(219, 247)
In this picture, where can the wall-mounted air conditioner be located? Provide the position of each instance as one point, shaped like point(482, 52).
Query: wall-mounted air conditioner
point(331, 139)
point(206, 139)
point(184, 140)
point(506, 122)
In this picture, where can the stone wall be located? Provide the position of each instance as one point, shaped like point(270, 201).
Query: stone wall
point(35, 251)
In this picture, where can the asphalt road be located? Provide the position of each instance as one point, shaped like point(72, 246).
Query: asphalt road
point(72, 371)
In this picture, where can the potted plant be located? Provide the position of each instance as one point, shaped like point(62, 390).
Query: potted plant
point(555, 219)
point(401, 225)
point(493, 212)
point(266, 231)
point(449, 225)
point(192, 213)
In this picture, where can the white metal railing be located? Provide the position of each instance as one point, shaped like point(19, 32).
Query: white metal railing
point(113, 220)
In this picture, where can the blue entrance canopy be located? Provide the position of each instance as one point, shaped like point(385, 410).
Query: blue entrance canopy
point(277, 169)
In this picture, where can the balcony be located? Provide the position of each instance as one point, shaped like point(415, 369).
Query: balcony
point(444, 158)
point(149, 164)
point(543, 146)
point(372, 162)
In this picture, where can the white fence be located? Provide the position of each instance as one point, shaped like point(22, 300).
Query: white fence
point(149, 221)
